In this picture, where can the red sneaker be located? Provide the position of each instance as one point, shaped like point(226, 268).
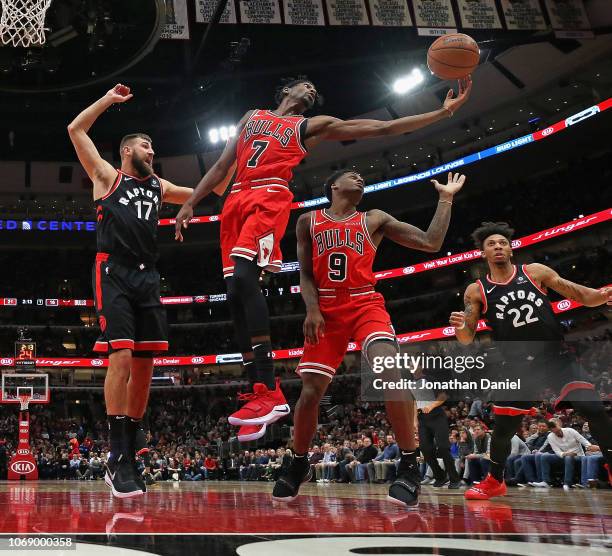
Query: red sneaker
point(609, 470)
point(262, 408)
point(246, 433)
point(486, 489)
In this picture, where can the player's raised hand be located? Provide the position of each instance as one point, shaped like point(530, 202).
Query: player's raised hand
point(457, 319)
point(314, 326)
point(452, 103)
point(607, 294)
point(119, 93)
point(455, 183)
point(182, 220)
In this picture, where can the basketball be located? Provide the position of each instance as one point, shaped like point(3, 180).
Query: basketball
point(122, 90)
point(453, 56)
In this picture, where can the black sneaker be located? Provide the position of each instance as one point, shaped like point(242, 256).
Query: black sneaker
point(454, 485)
point(139, 480)
point(404, 491)
point(287, 487)
point(439, 483)
point(120, 478)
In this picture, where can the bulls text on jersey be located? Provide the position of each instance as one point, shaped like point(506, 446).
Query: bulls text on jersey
point(279, 130)
point(328, 240)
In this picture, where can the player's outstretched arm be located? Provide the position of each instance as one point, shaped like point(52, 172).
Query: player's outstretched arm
point(466, 321)
point(101, 173)
point(321, 128)
point(175, 194)
point(314, 324)
point(549, 278)
point(220, 173)
point(415, 238)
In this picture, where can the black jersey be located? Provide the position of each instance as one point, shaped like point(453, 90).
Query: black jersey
point(128, 218)
point(518, 311)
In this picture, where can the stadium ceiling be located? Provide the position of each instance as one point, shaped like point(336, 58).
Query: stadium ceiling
point(181, 89)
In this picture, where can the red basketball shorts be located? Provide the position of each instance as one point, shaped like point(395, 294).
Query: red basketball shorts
point(358, 316)
point(253, 222)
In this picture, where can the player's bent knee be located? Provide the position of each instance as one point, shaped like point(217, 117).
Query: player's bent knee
point(120, 361)
point(382, 348)
point(314, 386)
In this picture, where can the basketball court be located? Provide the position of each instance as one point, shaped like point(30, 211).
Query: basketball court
point(532, 139)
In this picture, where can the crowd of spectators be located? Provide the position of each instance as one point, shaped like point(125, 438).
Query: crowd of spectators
point(189, 439)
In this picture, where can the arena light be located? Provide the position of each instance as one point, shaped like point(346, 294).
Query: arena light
point(222, 133)
point(404, 84)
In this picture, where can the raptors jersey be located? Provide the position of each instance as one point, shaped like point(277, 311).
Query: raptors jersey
point(342, 251)
point(127, 218)
point(269, 146)
point(519, 311)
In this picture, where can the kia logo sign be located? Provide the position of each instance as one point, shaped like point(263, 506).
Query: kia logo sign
point(547, 131)
point(6, 362)
point(22, 467)
point(97, 362)
point(214, 218)
point(196, 360)
point(449, 331)
point(352, 346)
point(516, 243)
point(409, 270)
point(23, 452)
point(564, 305)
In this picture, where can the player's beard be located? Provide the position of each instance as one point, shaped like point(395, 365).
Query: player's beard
point(142, 168)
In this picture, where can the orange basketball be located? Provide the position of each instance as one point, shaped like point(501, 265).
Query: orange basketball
point(453, 56)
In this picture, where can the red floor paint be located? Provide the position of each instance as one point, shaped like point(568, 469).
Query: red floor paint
point(71, 507)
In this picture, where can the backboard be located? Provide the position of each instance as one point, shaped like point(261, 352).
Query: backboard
point(17, 386)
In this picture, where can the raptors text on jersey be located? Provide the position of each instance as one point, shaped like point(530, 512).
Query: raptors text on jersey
point(127, 218)
point(269, 147)
point(342, 251)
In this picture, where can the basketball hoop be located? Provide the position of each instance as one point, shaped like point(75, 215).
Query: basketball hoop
point(22, 22)
point(24, 400)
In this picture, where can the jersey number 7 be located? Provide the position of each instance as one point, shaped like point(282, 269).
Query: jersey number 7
point(259, 147)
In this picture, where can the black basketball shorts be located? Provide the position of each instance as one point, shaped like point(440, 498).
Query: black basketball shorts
point(560, 377)
point(130, 313)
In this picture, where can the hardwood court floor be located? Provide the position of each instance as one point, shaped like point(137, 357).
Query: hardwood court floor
point(72, 507)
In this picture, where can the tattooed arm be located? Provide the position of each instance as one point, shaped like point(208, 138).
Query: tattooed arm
point(410, 236)
point(466, 321)
point(548, 278)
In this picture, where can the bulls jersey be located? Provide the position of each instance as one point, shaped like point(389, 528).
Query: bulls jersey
point(127, 218)
point(342, 251)
point(518, 310)
point(269, 146)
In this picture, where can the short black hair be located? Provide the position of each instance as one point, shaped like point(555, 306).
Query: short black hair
point(490, 228)
point(552, 424)
point(332, 179)
point(130, 137)
point(288, 82)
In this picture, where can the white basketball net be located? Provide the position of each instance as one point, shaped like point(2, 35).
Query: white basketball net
point(22, 22)
point(24, 400)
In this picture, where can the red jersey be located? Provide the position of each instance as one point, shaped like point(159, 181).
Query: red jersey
point(342, 251)
point(269, 147)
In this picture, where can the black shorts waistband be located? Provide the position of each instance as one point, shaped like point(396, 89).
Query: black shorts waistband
point(127, 262)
